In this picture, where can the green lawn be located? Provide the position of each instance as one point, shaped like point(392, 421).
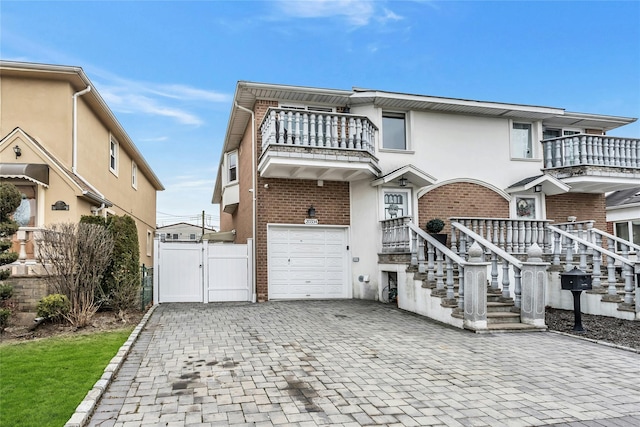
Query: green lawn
point(42, 382)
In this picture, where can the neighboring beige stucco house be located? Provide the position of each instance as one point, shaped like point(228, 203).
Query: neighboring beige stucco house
point(65, 150)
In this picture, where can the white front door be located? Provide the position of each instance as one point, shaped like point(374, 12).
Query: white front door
point(307, 262)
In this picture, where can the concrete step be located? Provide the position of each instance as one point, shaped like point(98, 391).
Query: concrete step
point(495, 306)
point(502, 317)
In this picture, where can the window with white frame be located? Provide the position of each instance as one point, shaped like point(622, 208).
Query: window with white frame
point(394, 131)
point(396, 203)
point(527, 206)
point(113, 155)
point(627, 230)
point(134, 175)
point(521, 141)
point(232, 167)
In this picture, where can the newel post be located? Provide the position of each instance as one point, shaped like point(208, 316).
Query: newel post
point(534, 283)
point(475, 289)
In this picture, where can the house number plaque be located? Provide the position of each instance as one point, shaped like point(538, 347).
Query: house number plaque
point(311, 221)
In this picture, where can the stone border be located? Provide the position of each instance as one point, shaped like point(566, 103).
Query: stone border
point(85, 409)
point(607, 344)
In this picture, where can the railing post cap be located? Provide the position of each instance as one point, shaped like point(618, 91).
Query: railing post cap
point(534, 253)
point(475, 253)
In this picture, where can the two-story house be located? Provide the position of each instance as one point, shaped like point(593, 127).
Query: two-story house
point(64, 149)
point(315, 176)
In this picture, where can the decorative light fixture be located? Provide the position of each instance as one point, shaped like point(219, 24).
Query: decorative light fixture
point(537, 188)
point(18, 151)
point(311, 212)
point(403, 181)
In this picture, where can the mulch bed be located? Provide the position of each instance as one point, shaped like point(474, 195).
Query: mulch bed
point(625, 333)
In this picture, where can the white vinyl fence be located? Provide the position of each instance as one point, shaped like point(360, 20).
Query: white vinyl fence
point(202, 272)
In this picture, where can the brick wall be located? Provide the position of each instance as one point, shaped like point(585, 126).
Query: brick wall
point(583, 206)
point(286, 202)
point(461, 199)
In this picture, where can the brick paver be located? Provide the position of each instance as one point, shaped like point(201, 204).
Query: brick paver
point(352, 363)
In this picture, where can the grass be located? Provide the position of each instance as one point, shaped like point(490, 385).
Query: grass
point(42, 382)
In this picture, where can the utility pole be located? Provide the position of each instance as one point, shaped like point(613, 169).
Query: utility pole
point(202, 223)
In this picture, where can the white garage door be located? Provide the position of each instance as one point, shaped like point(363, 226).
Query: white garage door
point(307, 262)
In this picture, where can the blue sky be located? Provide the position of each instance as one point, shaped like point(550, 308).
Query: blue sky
point(168, 69)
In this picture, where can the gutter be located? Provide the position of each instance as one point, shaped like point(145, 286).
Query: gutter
point(253, 191)
point(74, 162)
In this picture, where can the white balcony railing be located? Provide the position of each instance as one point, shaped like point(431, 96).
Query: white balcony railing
point(593, 150)
point(315, 129)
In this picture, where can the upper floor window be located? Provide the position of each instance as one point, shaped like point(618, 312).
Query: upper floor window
point(549, 133)
point(521, 141)
point(134, 175)
point(232, 166)
point(394, 135)
point(113, 156)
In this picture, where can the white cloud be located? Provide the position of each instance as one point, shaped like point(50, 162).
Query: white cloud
point(357, 12)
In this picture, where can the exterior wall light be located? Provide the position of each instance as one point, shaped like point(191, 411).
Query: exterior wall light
point(18, 151)
point(311, 212)
point(537, 188)
point(403, 182)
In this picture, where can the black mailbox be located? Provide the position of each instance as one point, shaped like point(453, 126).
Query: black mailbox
point(575, 280)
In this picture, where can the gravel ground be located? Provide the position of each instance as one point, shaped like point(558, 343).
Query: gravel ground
point(625, 333)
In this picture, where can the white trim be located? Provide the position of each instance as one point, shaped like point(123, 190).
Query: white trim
point(228, 169)
point(116, 154)
point(134, 175)
point(491, 187)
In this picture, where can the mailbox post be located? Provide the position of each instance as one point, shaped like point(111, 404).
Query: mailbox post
point(576, 281)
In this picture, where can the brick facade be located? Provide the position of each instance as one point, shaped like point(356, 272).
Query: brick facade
point(583, 206)
point(461, 199)
point(286, 202)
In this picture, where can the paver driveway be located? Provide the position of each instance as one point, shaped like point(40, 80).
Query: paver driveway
point(359, 363)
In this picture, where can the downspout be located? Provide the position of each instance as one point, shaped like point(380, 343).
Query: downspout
point(74, 161)
point(253, 191)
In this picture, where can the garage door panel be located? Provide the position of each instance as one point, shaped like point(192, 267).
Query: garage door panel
point(306, 235)
point(309, 263)
point(306, 249)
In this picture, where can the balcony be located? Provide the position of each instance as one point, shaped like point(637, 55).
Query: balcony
point(314, 145)
point(593, 163)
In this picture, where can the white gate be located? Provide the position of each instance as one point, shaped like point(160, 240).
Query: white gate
point(202, 272)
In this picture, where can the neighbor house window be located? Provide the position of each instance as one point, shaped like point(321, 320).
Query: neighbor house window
point(627, 230)
point(192, 237)
point(521, 141)
point(25, 214)
point(149, 242)
point(232, 166)
point(394, 135)
point(113, 156)
point(134, 175)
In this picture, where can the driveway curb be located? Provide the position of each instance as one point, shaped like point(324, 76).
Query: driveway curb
point(85, 409)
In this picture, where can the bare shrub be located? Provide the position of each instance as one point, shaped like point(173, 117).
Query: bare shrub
point(76, 256)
